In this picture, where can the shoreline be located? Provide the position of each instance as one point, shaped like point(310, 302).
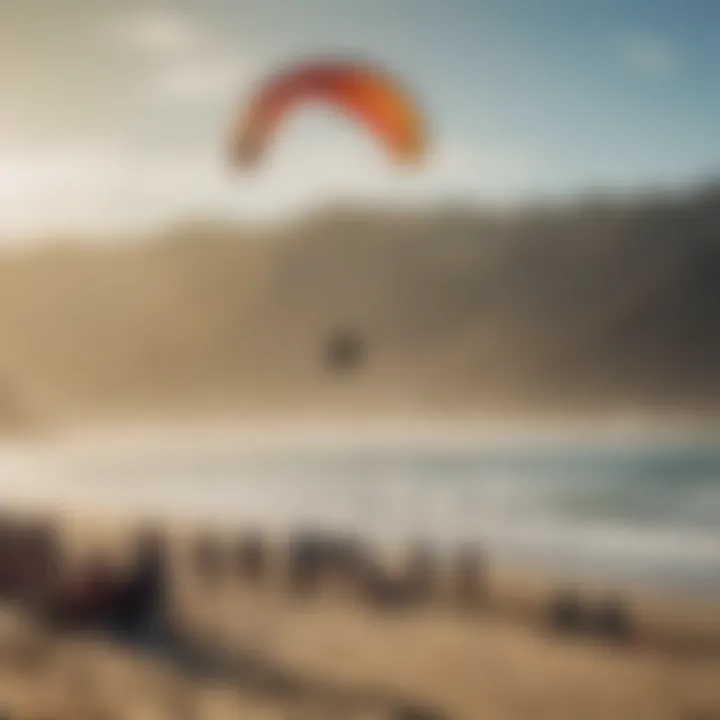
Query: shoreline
point(381, 427)
point(511, 582)
point(686, 553)
point(665, 584)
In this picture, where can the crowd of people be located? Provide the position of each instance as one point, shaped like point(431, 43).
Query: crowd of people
point(135, 601)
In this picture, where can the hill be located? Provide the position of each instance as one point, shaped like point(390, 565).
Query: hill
point(598, 306)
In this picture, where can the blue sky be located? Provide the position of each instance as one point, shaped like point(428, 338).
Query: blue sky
point(114, 113)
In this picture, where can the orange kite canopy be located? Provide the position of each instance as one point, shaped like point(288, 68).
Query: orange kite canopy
point(364, 92)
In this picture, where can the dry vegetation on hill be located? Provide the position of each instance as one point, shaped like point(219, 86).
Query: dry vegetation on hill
point(599, 306)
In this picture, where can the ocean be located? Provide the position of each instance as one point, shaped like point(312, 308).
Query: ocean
point(639, 513)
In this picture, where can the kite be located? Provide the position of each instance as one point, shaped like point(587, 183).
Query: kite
point(365, 93)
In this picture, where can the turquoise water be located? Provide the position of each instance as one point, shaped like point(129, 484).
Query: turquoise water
point(644, 514)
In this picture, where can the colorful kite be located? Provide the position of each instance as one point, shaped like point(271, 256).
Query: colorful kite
point(363, 92)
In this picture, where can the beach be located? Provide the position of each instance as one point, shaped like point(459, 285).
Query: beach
point(333, 657)
point(334, 653)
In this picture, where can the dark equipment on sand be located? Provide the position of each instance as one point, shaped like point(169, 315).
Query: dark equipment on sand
point(134, 605)
point(319, 561)
point(85, 599)
point(251, 558)
point(612, 622)
point(469, 578)
point(208, 559)
point(422, 573)
point(29, 559)
point(307, 561)
point(567, 614)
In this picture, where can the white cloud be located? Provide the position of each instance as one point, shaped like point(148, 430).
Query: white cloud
point(650, 54)
point(185, 59)
point(102, 187)
point(200, 77)
point(84, 186)
point(158, 33)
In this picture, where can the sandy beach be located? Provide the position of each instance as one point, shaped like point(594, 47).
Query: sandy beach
point(332, 656)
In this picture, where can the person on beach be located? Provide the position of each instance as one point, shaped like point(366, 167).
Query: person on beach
point(140, 606)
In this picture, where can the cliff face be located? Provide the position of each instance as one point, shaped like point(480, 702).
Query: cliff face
point(591, 307)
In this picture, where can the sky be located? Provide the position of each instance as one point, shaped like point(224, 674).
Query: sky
point(115, 114)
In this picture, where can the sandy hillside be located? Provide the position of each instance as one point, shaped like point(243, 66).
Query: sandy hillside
point(592, 307)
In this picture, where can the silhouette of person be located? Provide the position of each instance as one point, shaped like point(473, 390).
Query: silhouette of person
point(345, 351)
point(141, 605)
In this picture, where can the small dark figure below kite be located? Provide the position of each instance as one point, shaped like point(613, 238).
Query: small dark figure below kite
point(344, 352)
